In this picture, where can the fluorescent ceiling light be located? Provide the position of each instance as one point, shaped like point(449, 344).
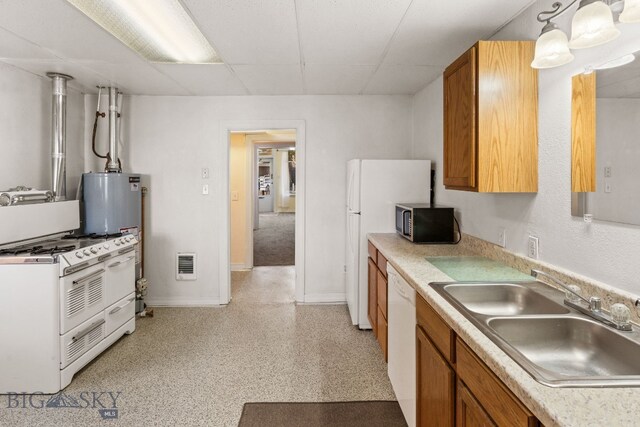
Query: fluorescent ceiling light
point(159, 30)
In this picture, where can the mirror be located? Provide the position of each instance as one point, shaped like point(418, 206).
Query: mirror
point(605, 142)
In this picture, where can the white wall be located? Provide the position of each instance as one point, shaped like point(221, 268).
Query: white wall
point(604, 251)
point(169, 139)
point(25, 131)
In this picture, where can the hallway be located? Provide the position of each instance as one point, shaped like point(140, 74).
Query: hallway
point(198, 366)
point(274, 241)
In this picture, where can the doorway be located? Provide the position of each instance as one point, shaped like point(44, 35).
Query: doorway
point(275, 186)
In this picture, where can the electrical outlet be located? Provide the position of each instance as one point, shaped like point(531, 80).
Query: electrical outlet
point(205, 189)
point(532, 250)
point(234, 196)
point(502, 237)
point(607, 187)
point(205, 173)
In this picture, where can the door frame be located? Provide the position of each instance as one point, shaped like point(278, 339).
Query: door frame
point(223, 180)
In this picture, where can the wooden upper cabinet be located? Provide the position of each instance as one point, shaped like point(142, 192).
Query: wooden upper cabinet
point(491, 119)
point(583, 133)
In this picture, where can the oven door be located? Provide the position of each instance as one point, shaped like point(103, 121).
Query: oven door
point(82, 296)
point(120, 276)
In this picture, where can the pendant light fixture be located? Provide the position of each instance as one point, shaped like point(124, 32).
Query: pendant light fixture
point(592, 25)
point(631, 12)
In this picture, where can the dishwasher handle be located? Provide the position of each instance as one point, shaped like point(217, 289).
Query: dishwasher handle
point(400, 288)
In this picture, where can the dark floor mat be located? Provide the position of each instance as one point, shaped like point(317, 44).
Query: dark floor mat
point(317, 414)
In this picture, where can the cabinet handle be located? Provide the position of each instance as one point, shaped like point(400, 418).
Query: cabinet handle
point(88, 276)
point(89, 329)
point(117, 263)
point(117, 309)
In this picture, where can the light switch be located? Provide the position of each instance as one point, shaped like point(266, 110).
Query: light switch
point(607, 171)
point(205, 173)
point(234, 196)
point(205, 189)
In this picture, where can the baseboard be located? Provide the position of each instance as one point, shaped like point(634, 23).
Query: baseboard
point(337, 298)
point(240, 267)
point(182, 302)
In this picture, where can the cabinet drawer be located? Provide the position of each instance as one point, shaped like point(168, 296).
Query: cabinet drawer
point(497, 400)
point(382, 264)
point(381, 282)
point(120, 277)
point(382, 333)
point(119, 313)
point(373, 252)
point(81, 339)
point(438, 331)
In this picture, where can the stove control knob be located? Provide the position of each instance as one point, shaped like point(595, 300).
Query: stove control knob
point(86, 252)
point(79, 255)
point(122, 241)
point(117, 242)
point(106, 246)
point(94, 251)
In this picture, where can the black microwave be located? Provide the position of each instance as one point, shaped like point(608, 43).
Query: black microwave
point(425, 223)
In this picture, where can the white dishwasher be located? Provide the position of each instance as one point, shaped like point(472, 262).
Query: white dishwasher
point(401, 342)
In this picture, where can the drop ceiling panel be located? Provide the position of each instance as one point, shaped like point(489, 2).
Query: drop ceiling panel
point(354, 32)
point(135, 79)
point(437, 32)
point(336, 79)
point(249, 31)
point(271, 79)
point(60, 27)
point(84, 79)
point(12, 46)
point(210, 79)
point(401, 79)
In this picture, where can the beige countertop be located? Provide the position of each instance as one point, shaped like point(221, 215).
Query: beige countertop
point(552, 406)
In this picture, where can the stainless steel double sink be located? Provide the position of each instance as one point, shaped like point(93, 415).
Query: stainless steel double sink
point(555, 344)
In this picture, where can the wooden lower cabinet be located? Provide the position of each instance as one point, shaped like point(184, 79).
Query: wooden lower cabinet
point(453, 386)
point(372, 311)
point(435, 387)
point(382, 334)
point(469, 413)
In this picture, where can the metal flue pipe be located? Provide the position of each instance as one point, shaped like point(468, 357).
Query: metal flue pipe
point(113, 165)
point(59, 135)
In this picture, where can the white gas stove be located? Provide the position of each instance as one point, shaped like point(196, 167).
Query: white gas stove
point(63, 300)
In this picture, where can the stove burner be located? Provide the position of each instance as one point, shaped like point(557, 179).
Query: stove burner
point(21, 250)
point(52, 251)
point(93, 236)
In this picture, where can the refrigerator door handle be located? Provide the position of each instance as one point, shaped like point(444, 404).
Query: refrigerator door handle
point(404, 212)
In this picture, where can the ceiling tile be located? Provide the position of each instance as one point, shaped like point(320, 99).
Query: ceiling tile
point(210, 79)
point(437, 32)
point(63, 29)
point(354, 32)
point(336, 79)
point(135, 79)
point(401, 79)
point(271, 79)
point(84, 80)
point(12, 46)
point(249, 31)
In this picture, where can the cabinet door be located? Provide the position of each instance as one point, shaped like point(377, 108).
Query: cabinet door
point(469, 413)
point(372, 311)
point(435, 385)
point(382, 334)
point(460, 122)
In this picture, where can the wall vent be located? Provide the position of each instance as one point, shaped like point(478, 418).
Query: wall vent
point(185, 266)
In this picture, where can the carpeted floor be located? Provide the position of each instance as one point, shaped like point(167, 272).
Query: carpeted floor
point(198, 366)
point(274, 240)
point(377, 413)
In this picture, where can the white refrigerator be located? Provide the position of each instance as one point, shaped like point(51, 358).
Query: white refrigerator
point(373, 189)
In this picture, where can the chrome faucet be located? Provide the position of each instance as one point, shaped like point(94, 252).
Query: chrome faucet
point(593, 307)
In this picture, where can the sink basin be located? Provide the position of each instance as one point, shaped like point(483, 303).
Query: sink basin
point(570, 347)
point(503, 299)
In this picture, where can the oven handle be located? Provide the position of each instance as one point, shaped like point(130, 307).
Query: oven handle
point(89, 329)
point(88, 276)
point(404, 212)
point(120, 307)
point(117, 263)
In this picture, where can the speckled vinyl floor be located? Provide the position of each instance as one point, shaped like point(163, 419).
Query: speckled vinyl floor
point(198, 366)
